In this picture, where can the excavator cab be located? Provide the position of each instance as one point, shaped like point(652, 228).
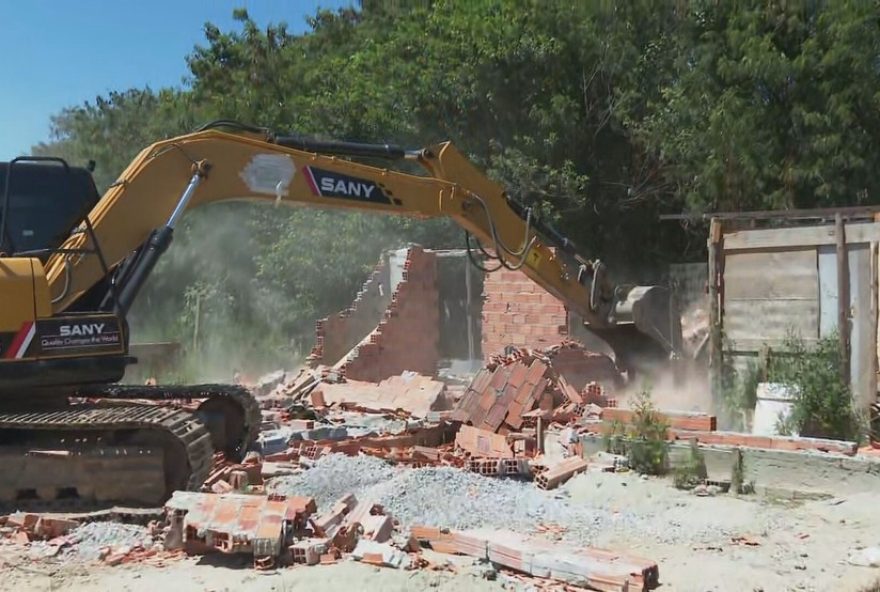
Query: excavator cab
point(44, 199)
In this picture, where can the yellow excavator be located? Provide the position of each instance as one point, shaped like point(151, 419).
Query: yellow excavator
point(72, 263)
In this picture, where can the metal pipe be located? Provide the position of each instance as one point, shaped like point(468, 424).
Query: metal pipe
point(539, 435)
point(386, 151)
point(184, 200)
point(148, 255)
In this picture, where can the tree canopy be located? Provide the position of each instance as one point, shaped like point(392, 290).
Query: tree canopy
point(600, 116)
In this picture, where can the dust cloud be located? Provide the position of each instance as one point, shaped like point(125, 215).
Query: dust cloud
point(204, 295)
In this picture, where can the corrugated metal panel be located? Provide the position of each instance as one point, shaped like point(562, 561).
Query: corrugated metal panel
point(767, 295)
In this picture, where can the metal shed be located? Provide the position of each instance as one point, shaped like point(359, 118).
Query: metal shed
point(811, 272)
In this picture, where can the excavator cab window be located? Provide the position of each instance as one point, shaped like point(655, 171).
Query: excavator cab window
point(43, 201)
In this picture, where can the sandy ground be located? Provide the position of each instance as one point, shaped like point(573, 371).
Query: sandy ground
point(800, 547)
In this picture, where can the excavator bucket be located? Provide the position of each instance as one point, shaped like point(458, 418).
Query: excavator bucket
point(647, 333)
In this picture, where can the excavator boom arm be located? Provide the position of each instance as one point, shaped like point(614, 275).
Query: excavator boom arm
point(176, 175)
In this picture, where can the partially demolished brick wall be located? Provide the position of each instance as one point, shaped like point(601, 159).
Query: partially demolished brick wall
point(337, 334)
point(408, 335)
point(519, 312)
point(405, 333)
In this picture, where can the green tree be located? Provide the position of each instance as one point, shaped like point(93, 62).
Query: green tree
point(770, 105)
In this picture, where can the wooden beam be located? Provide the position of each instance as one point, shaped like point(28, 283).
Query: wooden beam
point(716, 250)
point(842, 298)
point(867, 212)
point(800, 237)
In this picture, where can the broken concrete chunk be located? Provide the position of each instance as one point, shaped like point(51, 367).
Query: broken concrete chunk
point(277, 469)
point(382, 554)
point(309, 551)
point(273, 441)
point(377, 528)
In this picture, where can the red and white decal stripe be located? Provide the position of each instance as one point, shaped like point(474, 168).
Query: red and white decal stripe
point(310, 179)
point(22, 341)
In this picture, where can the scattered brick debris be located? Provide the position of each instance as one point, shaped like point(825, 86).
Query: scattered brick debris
point(506, 393)
point(588, 567)
point(416, 394)
point(237, 523)
point(483, 443)
point(561, 472)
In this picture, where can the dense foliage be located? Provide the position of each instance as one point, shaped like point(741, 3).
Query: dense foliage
point(601, 115)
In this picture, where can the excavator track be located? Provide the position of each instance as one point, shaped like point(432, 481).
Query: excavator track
point(230, 412)
point(122, 444)
point(82, 432)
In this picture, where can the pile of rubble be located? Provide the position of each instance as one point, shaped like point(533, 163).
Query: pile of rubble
point(393, 444)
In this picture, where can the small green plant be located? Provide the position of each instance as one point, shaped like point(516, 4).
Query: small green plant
point(615, 439)
point(643, 442)
point(822, 405)
point(647, 447)
point(693, 472)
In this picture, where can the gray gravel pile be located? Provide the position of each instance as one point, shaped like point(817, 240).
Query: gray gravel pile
point(333, 476)
point(444, 496)
point(94, 536)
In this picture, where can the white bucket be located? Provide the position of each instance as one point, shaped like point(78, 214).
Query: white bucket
point(774, 401)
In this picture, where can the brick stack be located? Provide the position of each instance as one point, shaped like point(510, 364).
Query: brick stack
point(519, 312)
point(498, 397)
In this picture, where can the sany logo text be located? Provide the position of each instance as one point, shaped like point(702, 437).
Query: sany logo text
point(81, 330)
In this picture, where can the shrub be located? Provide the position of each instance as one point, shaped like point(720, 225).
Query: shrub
point(822, 405)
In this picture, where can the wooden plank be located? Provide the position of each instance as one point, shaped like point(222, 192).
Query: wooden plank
point(862, 324)
point(843, 326)
point(775, 275)
point(716, 354)
point(770, 319)
point(775, 238)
